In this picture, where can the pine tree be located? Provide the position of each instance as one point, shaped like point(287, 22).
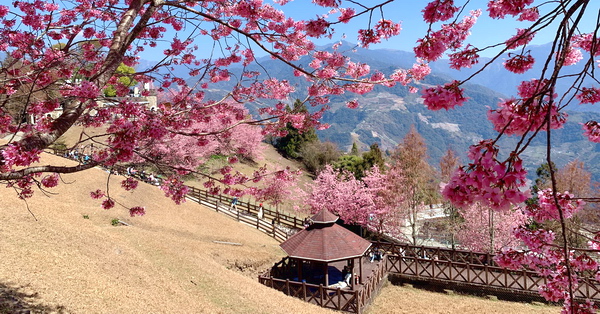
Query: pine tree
point(291, 144)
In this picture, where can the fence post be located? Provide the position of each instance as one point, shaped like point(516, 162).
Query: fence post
point(217, 206)
point(321, 294)
point(358, 302)
point(304, 290)
point(287, 286)
point(238, 214)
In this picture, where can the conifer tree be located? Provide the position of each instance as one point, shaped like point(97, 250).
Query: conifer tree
point(291, 144)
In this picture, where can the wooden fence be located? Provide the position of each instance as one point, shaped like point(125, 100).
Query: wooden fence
point(249, 208)
point(471, 269)
point(374, 281)
point(247, 213)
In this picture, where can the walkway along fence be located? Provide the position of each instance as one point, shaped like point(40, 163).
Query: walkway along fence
point(273, 223)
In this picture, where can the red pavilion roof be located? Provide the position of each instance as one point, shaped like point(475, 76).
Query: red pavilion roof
point(324, 216)
point(325, 241)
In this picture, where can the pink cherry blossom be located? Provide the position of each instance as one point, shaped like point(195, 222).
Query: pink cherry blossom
point(346, 14)
point(108, 203)
point(494, 183)
point(546, 208)
point(97, 194)
point(531, 14)
point(317, 28)
point(519, 63)
point(443, 97)
point(589, 95)
point(50, 181)
point(523, 37)
point(439, 10)
point(519, 117)
point(464, 59)
point(129, 184)
point(137, 211)
point(592, 131)
point(498, 9)
point(353, 104)
point(573, 56)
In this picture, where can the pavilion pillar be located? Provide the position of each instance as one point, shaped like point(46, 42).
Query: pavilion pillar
point(353, 272)
point(300, 264)
point(326, 273)
point(360, 264)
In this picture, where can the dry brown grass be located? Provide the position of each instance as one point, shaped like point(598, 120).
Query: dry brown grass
point(408, 300)
point(164, 262)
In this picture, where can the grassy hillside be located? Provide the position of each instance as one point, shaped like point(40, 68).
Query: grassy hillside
point(69, 258)
point(165, 261)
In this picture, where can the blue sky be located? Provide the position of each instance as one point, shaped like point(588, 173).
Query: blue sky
point(485, 32)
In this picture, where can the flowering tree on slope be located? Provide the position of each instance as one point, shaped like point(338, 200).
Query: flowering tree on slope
point(342, 194)
point(66, 53)
point(373, 202)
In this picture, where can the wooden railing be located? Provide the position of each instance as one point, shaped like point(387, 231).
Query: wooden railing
point(331, 298)
point(470, 269)
point(249, 208)
point(373, 284)
point(247, 213)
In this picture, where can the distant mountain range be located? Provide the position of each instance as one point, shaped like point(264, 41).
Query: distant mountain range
point(386, 114)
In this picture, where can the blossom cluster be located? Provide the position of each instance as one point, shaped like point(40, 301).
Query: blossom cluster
point(175, 189)
point(487, 180)
point(592, 131)
point(439, 10)
point(444, 97)
point(450, 36)
point(547, 209)
point(519, 63)
point(521, 116)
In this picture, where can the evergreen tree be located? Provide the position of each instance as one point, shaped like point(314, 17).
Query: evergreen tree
point(354, 150)
point(291, 144)
point(374, 157)
point(351, 163)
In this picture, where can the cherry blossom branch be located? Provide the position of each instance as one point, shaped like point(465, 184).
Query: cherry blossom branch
point(18, 174)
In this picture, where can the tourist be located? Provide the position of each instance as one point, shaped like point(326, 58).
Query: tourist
point(260, 211)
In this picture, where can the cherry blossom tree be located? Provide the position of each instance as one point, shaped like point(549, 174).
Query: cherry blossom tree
point(277, 188)
point(373, 202)
point(386, 216)
point(342, 194)
point(448, 164)
point(484, 230)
